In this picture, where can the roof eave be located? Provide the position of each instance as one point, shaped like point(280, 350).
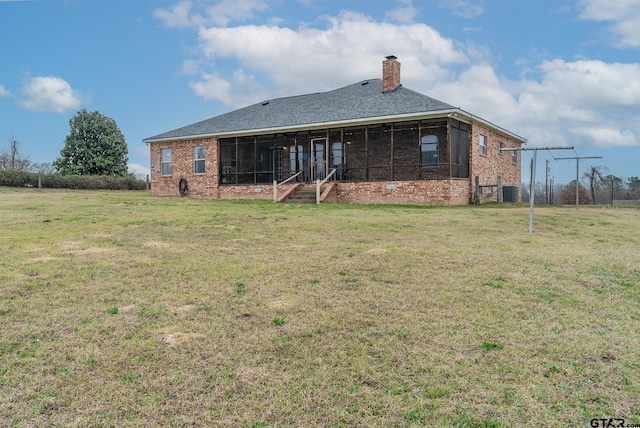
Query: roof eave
point(456, 113)
point(470, 118)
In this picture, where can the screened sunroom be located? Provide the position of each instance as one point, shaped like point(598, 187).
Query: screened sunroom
point(416, 150)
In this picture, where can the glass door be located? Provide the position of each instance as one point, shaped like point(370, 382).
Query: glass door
point(319, 158)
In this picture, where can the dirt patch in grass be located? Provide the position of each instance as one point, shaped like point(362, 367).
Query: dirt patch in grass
point(178, 308)
point(377, 251)
point(43, 259)
point(91, 250)
point(279, 304)
point(69, 245)
point(175, 339)
point(155, 244)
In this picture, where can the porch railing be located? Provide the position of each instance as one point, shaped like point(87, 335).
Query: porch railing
point(276, 184)
point(320, 183)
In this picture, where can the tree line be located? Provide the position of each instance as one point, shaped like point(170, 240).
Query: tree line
point(595, 187)
point(95, 147)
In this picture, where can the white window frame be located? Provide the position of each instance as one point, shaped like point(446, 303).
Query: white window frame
point(198, 161)
point(166, 167)
point(483, 145)
point(514, 157)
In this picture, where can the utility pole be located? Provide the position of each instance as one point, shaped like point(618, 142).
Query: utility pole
point(546, 184)
point(14, 153)
point(612, 181)
point(533, 174)
point(578, 159)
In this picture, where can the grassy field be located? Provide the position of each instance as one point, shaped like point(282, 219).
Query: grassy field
point(121, 309)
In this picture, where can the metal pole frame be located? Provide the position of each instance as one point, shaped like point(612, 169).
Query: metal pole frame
point(533, 171)
point(578, 159)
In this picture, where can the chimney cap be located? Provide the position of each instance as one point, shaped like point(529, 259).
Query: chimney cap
point(392, 57)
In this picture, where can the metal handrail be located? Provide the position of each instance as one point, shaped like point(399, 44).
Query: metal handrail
point(320, 183)
point(276, 184)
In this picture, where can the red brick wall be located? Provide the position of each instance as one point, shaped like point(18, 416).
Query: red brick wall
point(200, 185)
point(488, 167)
point(250, 191)
point(422, 192)
point(390, 75)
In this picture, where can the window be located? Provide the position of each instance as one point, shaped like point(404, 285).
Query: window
point(296, 158)
point(337, 154)
point(338, 158)
point(429, 150)
point(514, 157)
point(483, 145)
point(198, 160)
point(499, 147)
point(166, 162)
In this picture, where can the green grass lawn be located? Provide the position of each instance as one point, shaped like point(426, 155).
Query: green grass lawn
point(122, 309)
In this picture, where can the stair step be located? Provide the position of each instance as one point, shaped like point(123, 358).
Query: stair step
point(300, 201)
point(304, 195)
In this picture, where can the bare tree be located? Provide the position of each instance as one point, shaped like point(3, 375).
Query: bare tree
point(595, 177)
point(633, 183)
point(42, 168)
point(538, 192)
point(612, 188)
point(11, 158)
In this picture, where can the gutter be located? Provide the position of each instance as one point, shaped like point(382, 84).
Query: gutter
point(456, 113)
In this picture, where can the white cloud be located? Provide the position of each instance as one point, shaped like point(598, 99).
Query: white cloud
point(49, 93)
point(585, 103)
point(605, 136)
point(623, 16)
point(226, 11)
point(178, 16)
point(4, 92)
point(239, 90)
point(557, 102)
point(213, 87)
point(221, 13)
point(306, 59)
point(404, 13)
point(593, 83)
point(191, 67)
point(140, 171)
point(478, 89)
point(464, 8)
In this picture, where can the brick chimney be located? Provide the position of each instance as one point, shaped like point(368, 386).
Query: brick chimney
point(390, 74)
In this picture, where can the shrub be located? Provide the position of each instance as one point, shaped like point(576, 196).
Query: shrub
point(13, 178)
point(568, 196)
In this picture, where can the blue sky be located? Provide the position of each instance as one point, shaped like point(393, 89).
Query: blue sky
point(557, 72)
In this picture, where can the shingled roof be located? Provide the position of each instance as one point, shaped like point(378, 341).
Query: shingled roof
point(356, 103)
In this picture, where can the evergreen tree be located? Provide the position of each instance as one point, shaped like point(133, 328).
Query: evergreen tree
point(94, 146)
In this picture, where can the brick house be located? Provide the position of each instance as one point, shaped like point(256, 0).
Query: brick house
point(383, 142)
